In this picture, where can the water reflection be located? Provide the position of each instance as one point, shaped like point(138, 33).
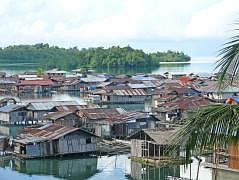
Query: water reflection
point(102, 168)
point(146, 172)
point(126, 70)
point(194, 66)
point(63, 168)
point(198, 68)
point(222, 174)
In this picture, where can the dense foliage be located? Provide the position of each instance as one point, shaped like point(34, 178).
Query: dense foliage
point(55, 57)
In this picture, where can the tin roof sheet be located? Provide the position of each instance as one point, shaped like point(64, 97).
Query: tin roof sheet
point(47, 82)
point(129, 92)
point(143, 78)
point(41, 106)
point(10, 108)
point(91, 78)
point(109, 114)
point(47, 132)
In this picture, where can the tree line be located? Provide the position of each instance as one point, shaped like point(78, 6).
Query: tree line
point(55, 57)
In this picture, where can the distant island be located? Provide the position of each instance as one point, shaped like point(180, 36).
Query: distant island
point(55, 57)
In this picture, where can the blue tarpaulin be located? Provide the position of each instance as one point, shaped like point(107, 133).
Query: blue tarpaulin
point(236, 99)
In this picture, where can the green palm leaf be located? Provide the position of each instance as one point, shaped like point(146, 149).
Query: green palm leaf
point(215, 125)
point(228, 64)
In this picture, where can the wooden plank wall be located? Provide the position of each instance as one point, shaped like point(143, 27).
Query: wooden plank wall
point(233, 152)
point(136, 148)
point(76, 144)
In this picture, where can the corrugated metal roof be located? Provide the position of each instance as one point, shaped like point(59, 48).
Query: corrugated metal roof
point(143, 78)
point(47, 82)
point(47, 132)
point(69, 82)
point(23, 76)
point(103, 84)
point(91, 78)
point(57, 115)
point(10, 108)
point(153, 84)
point(109, 114)
point(129, 92)
point(137, 86)
point(146, 84)
point(41, 106)
point(5, 99)
point(55, 71)
point(186, 103)
point(30, 139)
point(75, 108)
point(2, 81)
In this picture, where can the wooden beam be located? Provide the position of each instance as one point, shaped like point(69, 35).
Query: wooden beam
point(154, 150)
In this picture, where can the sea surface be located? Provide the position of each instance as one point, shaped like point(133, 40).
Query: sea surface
point(118, 167)
point(198, 65)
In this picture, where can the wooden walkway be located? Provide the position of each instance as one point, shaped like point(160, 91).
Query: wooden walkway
point(113, 147)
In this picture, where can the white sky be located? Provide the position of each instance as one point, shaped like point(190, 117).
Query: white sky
point(147, 24)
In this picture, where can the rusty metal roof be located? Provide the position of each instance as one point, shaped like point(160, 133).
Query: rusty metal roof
point(47, 132)
point(186, 103)
point(108, 114)
point(73, 108)
point(45, 82)
point(57, 115)
point(129, 92)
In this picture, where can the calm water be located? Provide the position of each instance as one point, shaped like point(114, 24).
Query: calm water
point(197, 65)
point(104, 168)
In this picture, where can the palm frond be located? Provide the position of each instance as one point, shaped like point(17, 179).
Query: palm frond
point(208, 127)
point(228, 64)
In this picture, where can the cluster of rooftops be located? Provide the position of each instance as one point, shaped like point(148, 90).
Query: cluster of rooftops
point(171, 98)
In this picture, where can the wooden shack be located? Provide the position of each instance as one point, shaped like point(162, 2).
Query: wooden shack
point(8, 85)
point(151, 144)
point(36, 86)
point(65, 118)
point(7, 101)
point(37, 110)
point(125, 96)
point(105, 122)
point(3, 143)
point(54, 139)
point(13, 114)
point(141, 120)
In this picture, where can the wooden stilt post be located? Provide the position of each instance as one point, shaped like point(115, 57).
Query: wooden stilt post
point(159, 152)
point(154, 150)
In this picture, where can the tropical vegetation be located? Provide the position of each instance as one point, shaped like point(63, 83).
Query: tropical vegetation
point(55, 57)
point(215, 126)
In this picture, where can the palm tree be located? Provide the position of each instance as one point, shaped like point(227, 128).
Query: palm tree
point(215, 126)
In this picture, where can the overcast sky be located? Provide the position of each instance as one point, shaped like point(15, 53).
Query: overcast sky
point(197, 27)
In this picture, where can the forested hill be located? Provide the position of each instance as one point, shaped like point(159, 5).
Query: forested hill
point(55, 57)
